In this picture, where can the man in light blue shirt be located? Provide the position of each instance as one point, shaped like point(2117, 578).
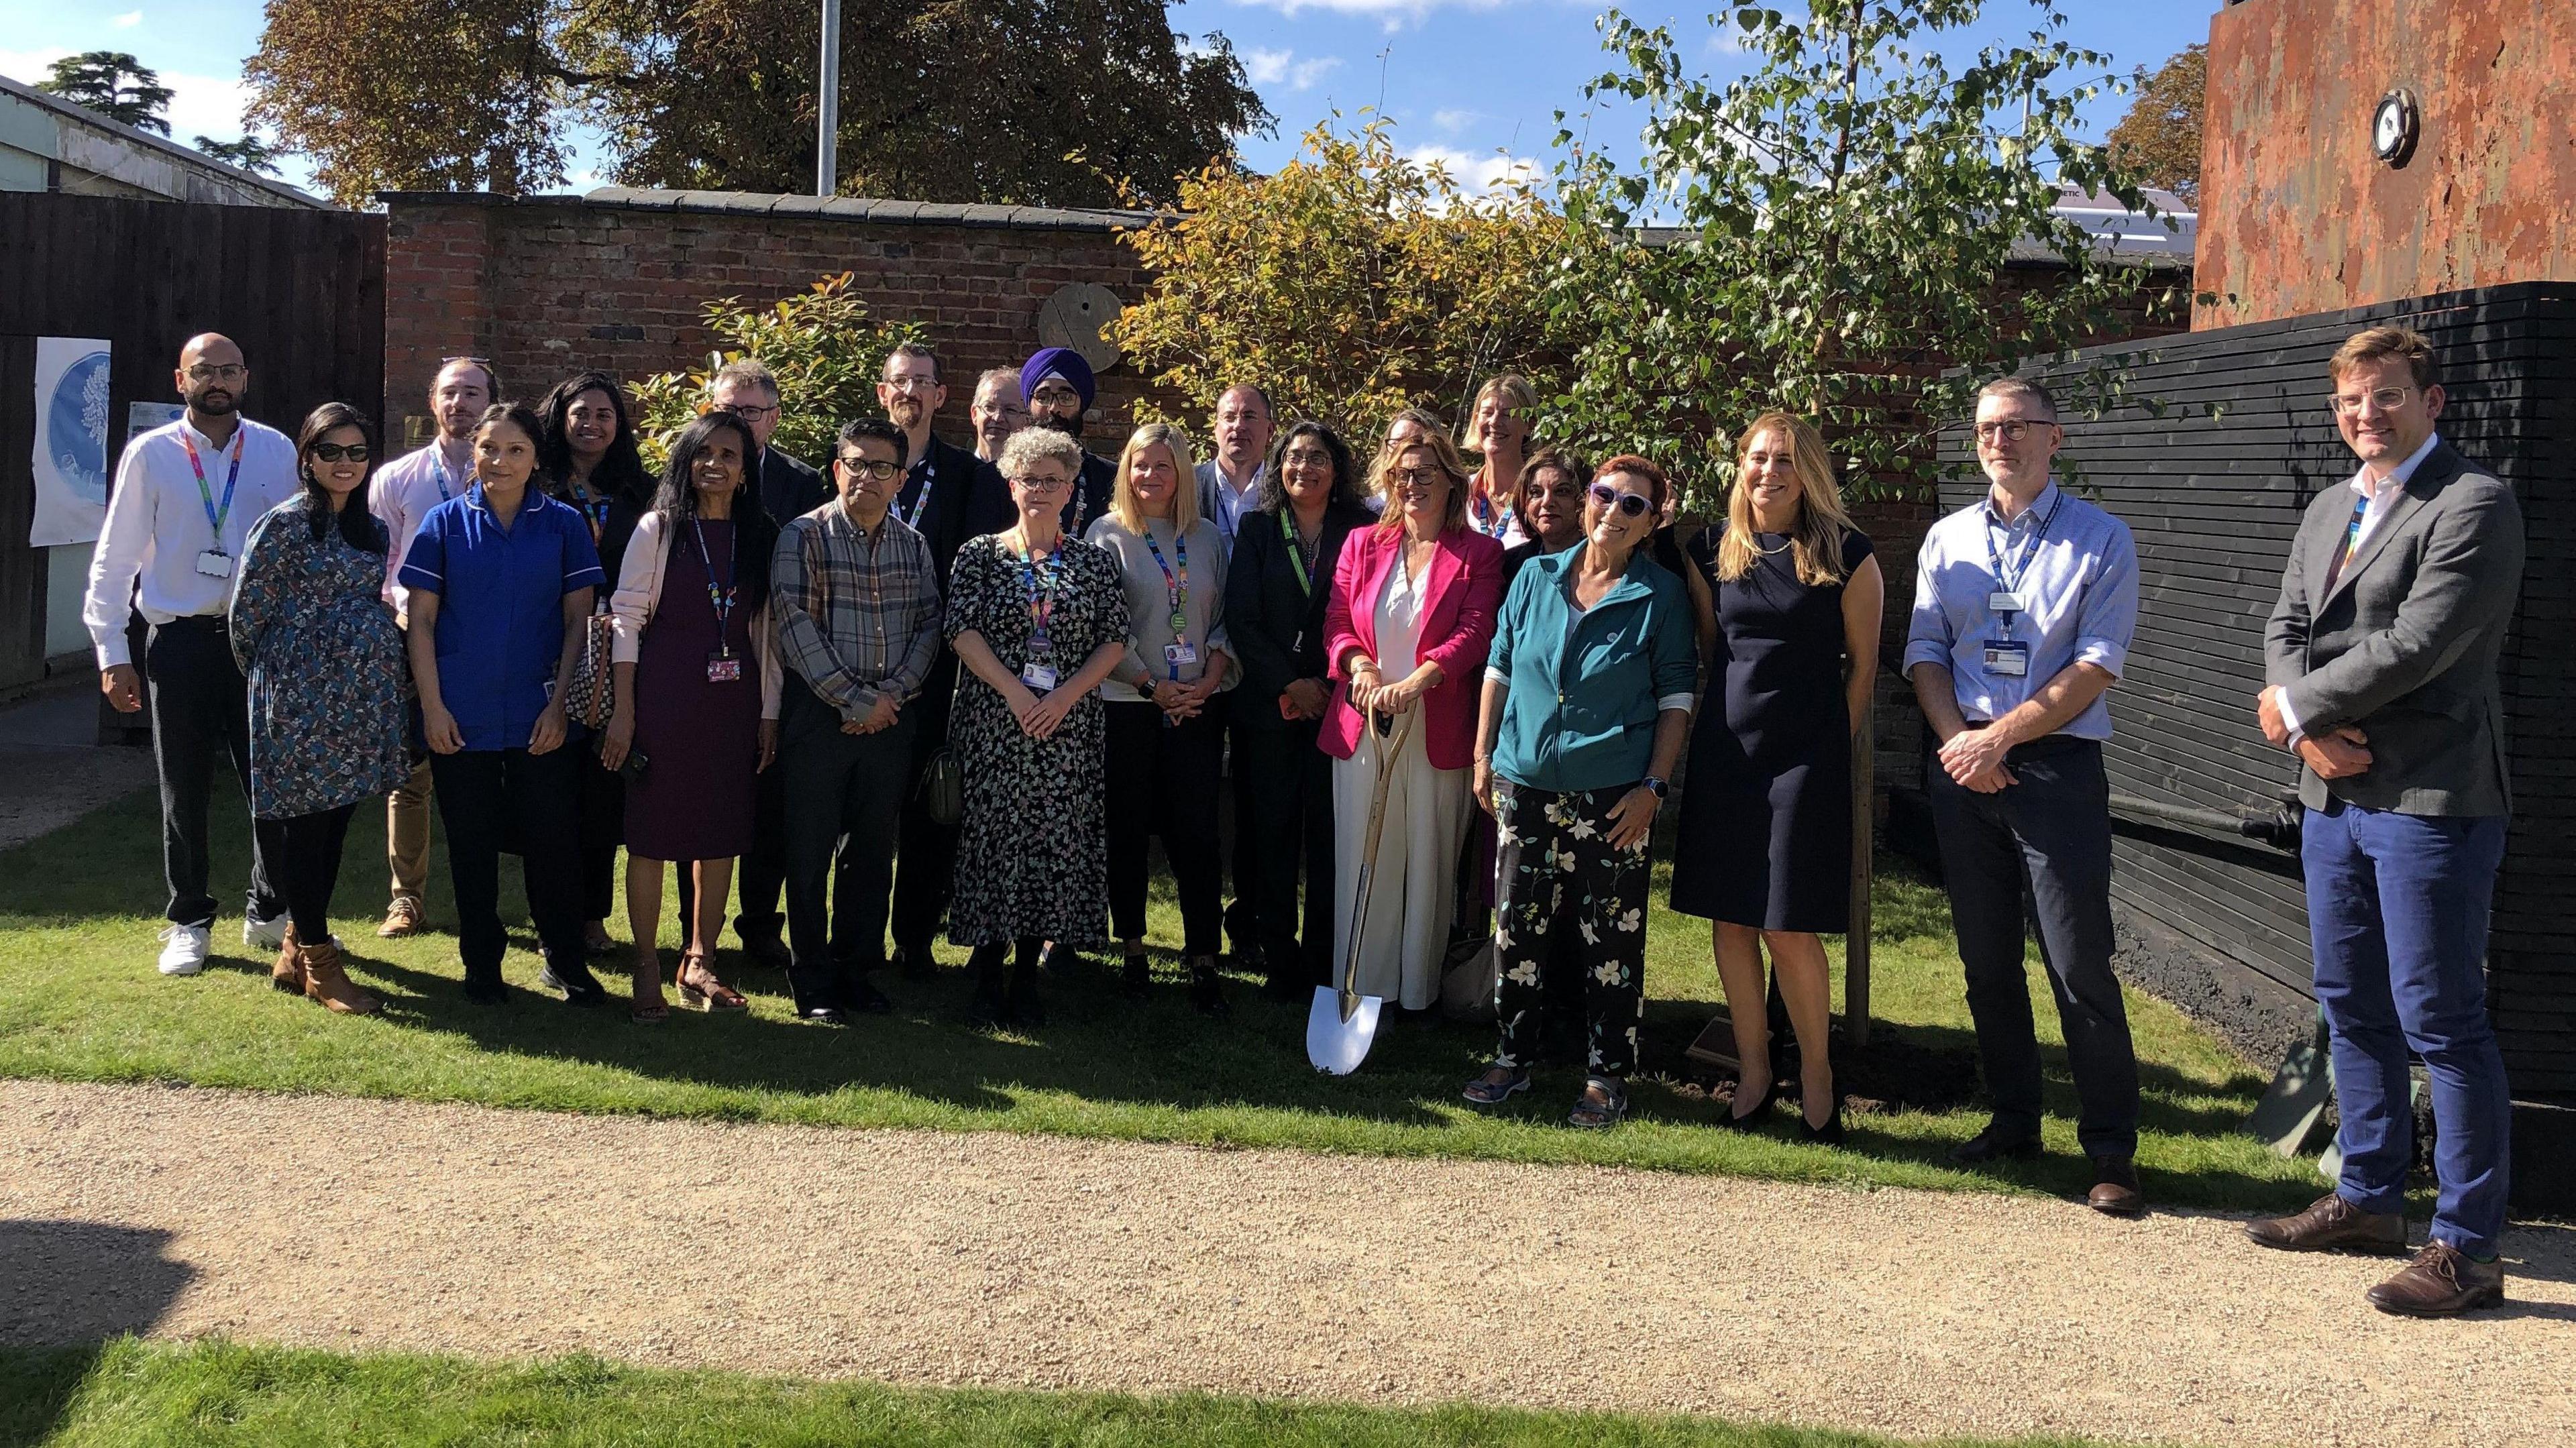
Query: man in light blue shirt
point(2024, 605)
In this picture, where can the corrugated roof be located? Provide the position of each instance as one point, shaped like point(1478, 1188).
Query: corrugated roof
point(185, 155)
point(834, 208)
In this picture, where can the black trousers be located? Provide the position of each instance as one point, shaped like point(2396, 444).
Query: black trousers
point(926, 859)
point(1162, 779)
point(536, 798)
point(602, 829)
point(307, 860)
point(2050, 834)
point(1244, 859)
point(844, 792)
point(762, 873)
point(200, 704)
point(1290, 782)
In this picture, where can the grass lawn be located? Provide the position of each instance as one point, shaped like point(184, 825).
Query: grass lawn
point(79, 1000)
point(133, 1394)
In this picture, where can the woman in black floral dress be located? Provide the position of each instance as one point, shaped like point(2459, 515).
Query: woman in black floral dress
point(1038, 620)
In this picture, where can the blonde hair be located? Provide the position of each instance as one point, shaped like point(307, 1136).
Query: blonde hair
point(1822, 520)
point(1445, 453)
point(1515, 390)
point(2379, 343)
point(1123, 503)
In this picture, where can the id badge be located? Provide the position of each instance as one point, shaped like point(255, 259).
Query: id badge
point(1180, 655)
point(724, 668)
point(215, 563)
point(2004, 603)
point(1040, 677)
point(2007, 658)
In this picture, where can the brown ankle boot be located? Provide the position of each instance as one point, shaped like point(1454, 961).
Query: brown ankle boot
point(326, 982)
point(288, 974)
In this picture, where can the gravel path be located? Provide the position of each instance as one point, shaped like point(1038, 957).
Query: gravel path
point(1005, 1260)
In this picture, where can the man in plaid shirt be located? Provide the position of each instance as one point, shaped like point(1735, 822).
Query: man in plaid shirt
point(855, 598)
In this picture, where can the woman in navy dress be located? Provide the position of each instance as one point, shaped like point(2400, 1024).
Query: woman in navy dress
point(1765, 848)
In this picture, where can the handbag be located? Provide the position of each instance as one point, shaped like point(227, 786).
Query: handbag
point(587, 701)
point(942, 790)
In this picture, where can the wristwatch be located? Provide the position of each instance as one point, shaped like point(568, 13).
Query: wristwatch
point(1652, 785)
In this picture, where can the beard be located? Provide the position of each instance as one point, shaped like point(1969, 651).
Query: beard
point(1070, 426)
point(213, 402)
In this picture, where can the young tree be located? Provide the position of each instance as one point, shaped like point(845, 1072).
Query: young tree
point(825, 348)
point(1350, 284)
point(2160, 136)
point(115, 85)
point(1840, 218)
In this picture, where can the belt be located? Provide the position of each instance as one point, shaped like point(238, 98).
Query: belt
point(2046, 744)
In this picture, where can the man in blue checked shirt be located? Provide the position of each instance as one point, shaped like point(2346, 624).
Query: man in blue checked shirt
point(2024, 605)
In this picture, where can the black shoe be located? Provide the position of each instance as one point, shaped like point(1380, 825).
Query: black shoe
point(490, 992)
point(861, 996)
point(1990, 1145)
point(1755, 1117)
point(1207, 995)
point(1026, 1009)
point(1829, 1134)
point(766, 949)
point(1287, 986)
point(579, 986)
point(916, 963)
point(1137, 978)
point(822, 1015)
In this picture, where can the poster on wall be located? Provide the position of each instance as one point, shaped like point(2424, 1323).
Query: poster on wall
point(71, 441)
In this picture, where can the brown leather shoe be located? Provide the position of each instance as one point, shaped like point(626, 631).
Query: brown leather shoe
point(2331, 1224)
point(2441, 1281)
point(403, 917)
point(288, 974)
point(326, 982)
point(2115, 1188)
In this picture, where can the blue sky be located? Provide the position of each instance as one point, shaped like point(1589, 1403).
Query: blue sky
point(1466, 80)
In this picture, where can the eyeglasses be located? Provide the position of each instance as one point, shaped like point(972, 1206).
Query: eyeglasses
point(1306, 457)
point(912, 382)
point(1056, 396)
point(1416, 477)
point(333, 452)
point(2386, 399)
point(875, 470)
point(749, 411)
point(2010, 430)
point(1038, 483)
point(1629, 505)
point(214, 372)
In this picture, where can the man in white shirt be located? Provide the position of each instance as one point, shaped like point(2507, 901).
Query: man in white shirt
point(1229, 481)
point(401, 494)
point(185, 500)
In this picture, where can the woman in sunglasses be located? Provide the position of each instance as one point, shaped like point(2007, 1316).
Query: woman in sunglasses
point(1587, 700)
point(1765, 844)
point(328, 687)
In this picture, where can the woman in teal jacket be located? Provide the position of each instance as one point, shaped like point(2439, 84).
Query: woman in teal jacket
point(1587, 701)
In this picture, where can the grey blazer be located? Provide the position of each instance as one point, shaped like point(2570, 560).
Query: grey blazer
point(2404, 647)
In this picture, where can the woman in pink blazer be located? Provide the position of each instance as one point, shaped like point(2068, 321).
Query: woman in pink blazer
point(1407, 629)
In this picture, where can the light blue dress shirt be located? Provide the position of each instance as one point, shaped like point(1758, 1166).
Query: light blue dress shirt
point(2078, 588)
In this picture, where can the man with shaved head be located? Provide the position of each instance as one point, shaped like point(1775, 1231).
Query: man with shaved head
point(186, 497)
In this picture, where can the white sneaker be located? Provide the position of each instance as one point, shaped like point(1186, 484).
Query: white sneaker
point(269, 934)
point(186, 952)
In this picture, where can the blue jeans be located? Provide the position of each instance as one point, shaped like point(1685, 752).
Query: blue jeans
point(2397, 910)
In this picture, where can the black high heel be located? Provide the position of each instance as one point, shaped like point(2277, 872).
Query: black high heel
point(1829, 1134)
point(1761, 1108)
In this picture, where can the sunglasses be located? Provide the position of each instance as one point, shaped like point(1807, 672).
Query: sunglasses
point(333, 452)
point(1629, 505)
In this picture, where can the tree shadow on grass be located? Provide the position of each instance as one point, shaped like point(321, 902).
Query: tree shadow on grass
point(66, 1288)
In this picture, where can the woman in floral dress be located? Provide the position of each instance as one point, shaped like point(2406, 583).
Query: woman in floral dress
point(1038, 620)
point(328, 685)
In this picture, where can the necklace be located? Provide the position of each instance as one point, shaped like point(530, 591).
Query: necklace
point(1787, 542)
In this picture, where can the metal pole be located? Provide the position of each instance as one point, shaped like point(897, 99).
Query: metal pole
point(827, 170)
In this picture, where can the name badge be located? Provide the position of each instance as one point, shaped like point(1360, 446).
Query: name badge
point(2007, 658)
point(724, 668)
point(1180, 655)
point(2001, 602)
point(215, 563)
point(1039, 677)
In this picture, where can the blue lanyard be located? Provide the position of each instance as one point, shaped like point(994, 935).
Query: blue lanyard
point(1175, 590)
point(723, 598)
point(2009, 580)
point(438, 461)
point(1041, 601)
point(215, 516)
point(921, 502)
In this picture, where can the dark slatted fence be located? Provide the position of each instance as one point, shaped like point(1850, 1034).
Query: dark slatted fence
point(302, 291)
point(2224, 438)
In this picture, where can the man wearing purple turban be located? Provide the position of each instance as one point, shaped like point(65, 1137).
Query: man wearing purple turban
point(1060, 389)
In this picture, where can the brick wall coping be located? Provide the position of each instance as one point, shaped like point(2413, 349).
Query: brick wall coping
point(858, 209)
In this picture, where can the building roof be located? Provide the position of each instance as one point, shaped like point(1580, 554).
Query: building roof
point(158, 150)
point(828, 208)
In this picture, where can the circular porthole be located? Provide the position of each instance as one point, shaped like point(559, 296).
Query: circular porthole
point(2393, 127)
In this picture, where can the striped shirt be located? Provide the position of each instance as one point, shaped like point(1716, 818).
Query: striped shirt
point(857, 611)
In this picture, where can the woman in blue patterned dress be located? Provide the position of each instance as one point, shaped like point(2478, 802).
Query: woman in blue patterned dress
point(328, 685)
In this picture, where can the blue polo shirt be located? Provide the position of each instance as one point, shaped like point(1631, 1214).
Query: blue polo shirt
point(500, 607)
point(1587, 684)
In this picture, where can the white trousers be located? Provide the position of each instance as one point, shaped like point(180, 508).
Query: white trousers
point(1415, 893)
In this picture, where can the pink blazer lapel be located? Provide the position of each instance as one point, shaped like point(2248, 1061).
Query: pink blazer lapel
point(1438, 600)
point(1375, 557)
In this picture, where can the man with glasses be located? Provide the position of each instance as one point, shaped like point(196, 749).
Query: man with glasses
point(186, 497)
point(997, 411)
point(2381, 666)
point(2024, 606)
point(1059, 386)
point(857, 607)
point(948, 496)
point(788, 490)
point(400, 495)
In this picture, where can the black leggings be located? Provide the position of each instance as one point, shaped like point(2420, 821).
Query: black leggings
point(1163, 780)
point(308, 866)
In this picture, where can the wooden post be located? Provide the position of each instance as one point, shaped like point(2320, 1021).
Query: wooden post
point(1864, 828)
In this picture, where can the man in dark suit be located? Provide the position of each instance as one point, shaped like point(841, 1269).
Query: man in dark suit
point(948, 496)
point(788, 489)
point(2381, 668)
point(1060, 390)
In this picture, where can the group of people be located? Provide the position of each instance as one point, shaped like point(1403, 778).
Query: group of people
point(939, 686)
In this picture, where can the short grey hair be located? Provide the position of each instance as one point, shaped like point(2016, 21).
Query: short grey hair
point(992, 375)
point(2024, 389)
point(1040, 444)
point(745, 372)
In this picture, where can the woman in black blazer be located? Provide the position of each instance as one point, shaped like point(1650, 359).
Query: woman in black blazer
point(1276, 584)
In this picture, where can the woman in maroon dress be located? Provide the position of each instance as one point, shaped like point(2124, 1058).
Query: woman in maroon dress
point(697, 697)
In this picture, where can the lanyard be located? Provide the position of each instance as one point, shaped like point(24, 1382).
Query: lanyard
point(438, 461)
point(1501, 518)
point(2351, 539)
point(921, 502)
point(1041, 599)
point(215, 516)
point(1297, 553)
point(723, 598)
point(2009, 580)
point(1175, 590)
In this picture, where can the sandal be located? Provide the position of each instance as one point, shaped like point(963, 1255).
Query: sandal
point(706, 993)
point(1596, 1114)
point(648, 977)
point(654, 1014)
point(1497, 1085)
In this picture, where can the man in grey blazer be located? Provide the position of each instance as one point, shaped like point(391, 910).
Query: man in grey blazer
point(2381, 665)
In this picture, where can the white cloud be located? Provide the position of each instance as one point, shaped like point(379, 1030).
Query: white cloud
point(1282, 67)
point(1477, 174)
point(30, 66)
point(200, 105)
point(128, 20)
point(1454, 121)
